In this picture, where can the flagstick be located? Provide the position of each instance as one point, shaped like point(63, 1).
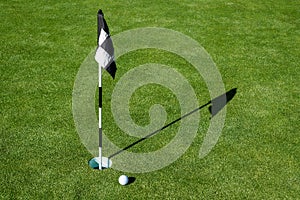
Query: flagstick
point(100, 116)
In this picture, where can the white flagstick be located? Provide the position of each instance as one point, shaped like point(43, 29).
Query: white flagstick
point(100, 116)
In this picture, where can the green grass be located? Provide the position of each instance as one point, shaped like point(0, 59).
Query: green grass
point(255, 45)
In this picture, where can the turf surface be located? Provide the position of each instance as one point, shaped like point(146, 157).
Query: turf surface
point(255, 45)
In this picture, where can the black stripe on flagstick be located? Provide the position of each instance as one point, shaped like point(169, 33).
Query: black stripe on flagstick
point(100, 137)
point(100, 97)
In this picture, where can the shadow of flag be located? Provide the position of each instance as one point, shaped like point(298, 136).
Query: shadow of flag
point(218, 103)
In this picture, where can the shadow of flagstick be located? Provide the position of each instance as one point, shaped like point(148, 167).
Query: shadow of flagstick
point(217, 104)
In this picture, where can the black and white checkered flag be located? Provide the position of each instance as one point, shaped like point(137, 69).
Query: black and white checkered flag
point(105, 51)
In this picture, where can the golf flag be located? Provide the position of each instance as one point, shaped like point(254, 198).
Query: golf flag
point(105, 50)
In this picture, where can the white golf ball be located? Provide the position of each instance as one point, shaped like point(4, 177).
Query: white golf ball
point(123, 179)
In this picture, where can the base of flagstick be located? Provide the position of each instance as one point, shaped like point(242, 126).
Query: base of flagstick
point(94, 163)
